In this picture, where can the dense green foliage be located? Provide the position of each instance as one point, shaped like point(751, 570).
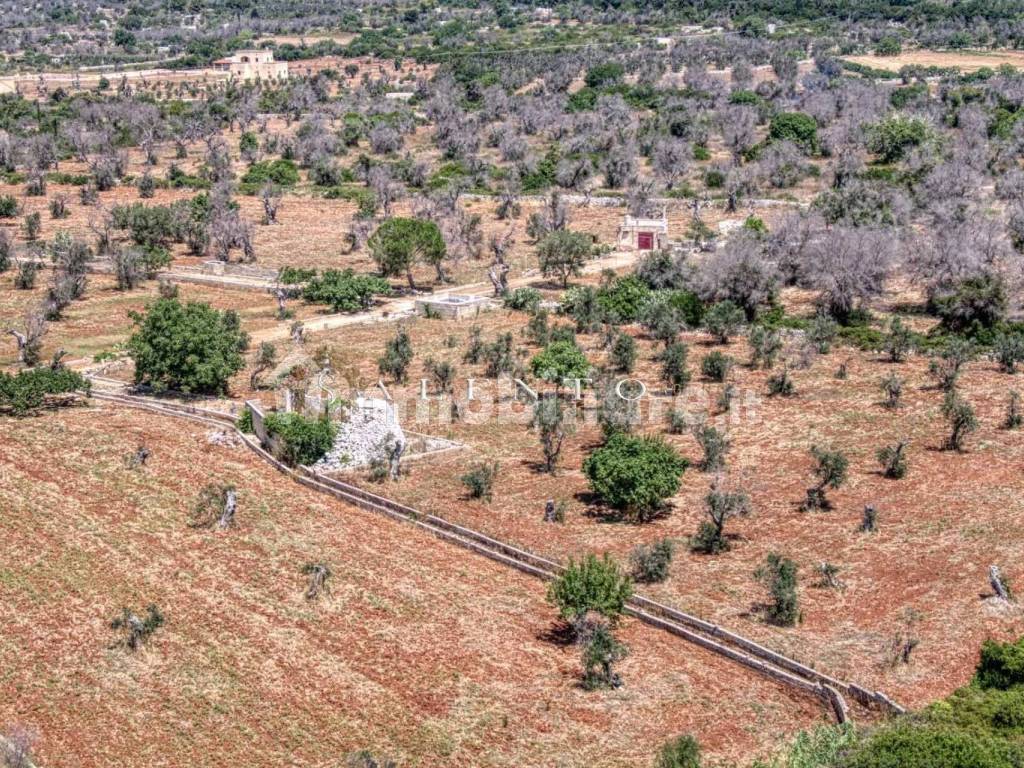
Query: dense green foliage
point(281, 172)
point(560, 361)
point(399, 244)
point(590, 585)
point(26, 391)
point(635, 474)
point(681, 752)
point(190, 348)
point(345, 291)
point(797, 127)
point(622, 299)
point(301, 440)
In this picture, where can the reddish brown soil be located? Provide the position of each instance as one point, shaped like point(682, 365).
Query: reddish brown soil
point(940, 527)
point(420, 651)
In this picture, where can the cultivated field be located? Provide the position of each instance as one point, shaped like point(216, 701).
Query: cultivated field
point(965, 61)
point(923, 572)
point(421, 651)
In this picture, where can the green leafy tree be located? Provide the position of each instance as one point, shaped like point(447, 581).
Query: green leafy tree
point(635, 475)
point(600, 654)
point(723, 319)
point(563, 253)
point(25, 392)
point(961, 418)
point(716, 366)
point(479, 481)
point(899, 341)
point(590, 584)
point(662, 319)
point(399, 244)
point(560, 361)
point(719, 506)
point(552, 428)
point(1001, 665)
point(650, 562)
point(623, 298)
point(622, 356)
point(765, 345)
point(191, 348)
point(674, 370)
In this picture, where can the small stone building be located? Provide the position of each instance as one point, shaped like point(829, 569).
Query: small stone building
point(254, 64)
point(639, 234)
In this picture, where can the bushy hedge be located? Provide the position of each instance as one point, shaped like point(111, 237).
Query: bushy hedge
point(281, 172)
point(303, 440)
point(345, 291)
point(26, 391)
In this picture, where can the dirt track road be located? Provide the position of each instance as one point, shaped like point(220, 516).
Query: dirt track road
point(403, 307)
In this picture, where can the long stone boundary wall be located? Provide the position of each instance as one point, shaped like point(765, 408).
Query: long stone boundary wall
point(728, 644)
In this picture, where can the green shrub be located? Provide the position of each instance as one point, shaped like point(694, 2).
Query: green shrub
point(797, 127)
point(8, 206)
point(523, 299)
point(891, 138)
point(1001, 665)
point(605, 73)
point(302, 440)
point(973, 305)
point(244, 421)
point(560, 361)
point(635, 475)
point(778, 574)
point(282, 172)
point(715, 445)
point(830, 469)
point(722, 320)
point(714, 178)
point(397, 356)
point(689, 306)
point(674, 370)
point(623, 298)
point(600, 653)
point(295, 275)
point(924, 746)
point(590, 585)
point(651, 561)
point(680, 752)
point(781, 384)
point(715, 366)
point(622, 356)
point(345, 291)
point(26, 391)
point(480, 481)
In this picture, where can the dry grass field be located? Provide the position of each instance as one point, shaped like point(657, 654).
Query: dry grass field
point(420, 651)
point(965, 61)
point(923, 572)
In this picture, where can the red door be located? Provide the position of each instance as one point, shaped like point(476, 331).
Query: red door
point(645, 241)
